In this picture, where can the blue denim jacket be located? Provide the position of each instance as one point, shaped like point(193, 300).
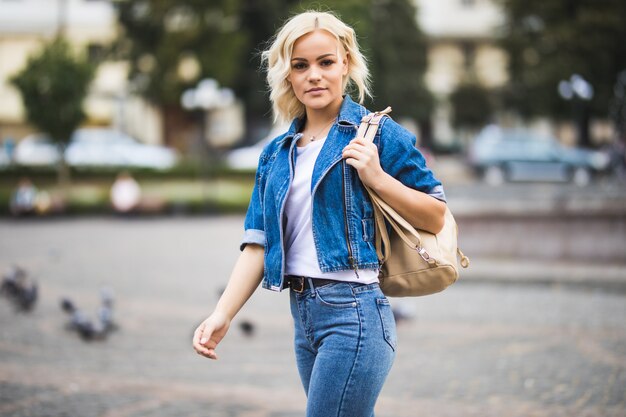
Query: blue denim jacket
point(333, 182)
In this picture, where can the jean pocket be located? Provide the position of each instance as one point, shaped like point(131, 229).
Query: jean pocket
point(387, 321)
point(338, 295)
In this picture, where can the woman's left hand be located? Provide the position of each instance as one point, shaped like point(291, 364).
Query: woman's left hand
point(363, 156)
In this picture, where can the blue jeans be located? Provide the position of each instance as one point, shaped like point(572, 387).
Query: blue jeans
point(345, 341)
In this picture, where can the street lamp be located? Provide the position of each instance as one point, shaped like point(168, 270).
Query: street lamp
point(205, 97)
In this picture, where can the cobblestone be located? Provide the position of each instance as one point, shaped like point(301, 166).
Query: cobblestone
point(477, 349)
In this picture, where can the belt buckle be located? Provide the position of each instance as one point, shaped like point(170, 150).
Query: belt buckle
point(297, 288)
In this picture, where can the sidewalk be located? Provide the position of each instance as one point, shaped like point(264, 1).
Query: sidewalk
point(607, 276)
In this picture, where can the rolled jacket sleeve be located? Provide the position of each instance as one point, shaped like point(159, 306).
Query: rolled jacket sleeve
point(254, 228)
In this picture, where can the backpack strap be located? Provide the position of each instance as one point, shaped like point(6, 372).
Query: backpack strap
point(369, 124)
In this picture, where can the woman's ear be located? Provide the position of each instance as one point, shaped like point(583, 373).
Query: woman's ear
point(346, 64)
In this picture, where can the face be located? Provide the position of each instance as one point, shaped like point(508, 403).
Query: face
point(318, 65)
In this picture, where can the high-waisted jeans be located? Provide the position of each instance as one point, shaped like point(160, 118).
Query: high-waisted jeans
point(345, 341)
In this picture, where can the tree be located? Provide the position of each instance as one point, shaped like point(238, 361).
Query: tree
point(172, 44)
point(471, 106)
point(398, 62)
point(390, 38)
point(550, 40)
point(261, 19)
point(223, 39)
point(53, 85)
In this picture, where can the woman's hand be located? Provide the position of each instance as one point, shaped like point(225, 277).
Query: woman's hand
point(245, 278)
point(363, 156)
point(210, 333)
point(419, 209)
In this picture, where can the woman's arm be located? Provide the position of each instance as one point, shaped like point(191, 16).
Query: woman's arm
point(244, 279)
point(420, 209)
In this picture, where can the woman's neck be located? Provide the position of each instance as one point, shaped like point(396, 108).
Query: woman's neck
point(317, 118)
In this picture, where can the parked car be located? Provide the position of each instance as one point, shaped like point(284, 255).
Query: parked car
point(90, 147)
point(36, 150)
point(107, 147)
point(501, 155)
point(247, 158)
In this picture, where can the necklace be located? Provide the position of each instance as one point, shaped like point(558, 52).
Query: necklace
point(313, 137)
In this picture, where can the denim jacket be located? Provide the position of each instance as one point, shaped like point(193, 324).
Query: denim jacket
point(340, 205)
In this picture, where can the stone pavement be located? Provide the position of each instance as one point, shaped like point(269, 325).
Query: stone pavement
point(482, 348)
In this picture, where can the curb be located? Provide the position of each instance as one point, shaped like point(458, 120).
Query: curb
point(606, 276)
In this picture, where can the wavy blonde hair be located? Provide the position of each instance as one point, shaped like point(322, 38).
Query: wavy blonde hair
point(277, 59)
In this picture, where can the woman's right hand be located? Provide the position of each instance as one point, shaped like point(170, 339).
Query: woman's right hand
point(210, 333)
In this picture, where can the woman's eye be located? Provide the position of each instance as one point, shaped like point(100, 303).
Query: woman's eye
point(299, 65)
point(327, 62)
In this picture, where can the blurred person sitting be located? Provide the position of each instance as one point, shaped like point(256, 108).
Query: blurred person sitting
point(24, 198)
point(125, 193)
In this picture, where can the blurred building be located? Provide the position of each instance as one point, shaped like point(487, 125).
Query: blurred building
point(89, 26)
point(462, 47)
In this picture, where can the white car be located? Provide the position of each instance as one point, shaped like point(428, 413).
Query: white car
point(90, 147)
point(107, 147)
point(36, 150)
point(247, 158)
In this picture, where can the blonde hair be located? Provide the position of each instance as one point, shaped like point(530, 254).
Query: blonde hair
point(285, 104)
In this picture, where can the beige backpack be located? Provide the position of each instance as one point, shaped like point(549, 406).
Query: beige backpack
point(414, 262)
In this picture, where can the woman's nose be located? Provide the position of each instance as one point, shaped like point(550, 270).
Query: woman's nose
point(314, 74)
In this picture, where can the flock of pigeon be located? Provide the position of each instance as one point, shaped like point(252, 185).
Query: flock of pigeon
point(22, 292)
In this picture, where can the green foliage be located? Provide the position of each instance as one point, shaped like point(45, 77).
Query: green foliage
point(226, 37)
point(395, 48)
point(549, 40)
point(53, 85)
point(471, 106)
point(158, 35)
point(398, 60)
point(260, 19)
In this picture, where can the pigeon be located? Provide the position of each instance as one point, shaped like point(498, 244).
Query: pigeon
point(19, 288)
point(78, 320)
point(84, 326)
point(247, 328)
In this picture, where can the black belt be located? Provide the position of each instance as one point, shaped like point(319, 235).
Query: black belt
point(300, 284)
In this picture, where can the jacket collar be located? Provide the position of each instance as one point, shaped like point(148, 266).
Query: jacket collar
point(350, 114)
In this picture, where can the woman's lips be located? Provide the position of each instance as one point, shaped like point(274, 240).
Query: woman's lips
point(315, 90)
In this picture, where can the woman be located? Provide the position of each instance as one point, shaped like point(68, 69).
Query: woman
point(310, 227)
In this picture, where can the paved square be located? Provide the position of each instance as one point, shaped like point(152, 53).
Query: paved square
point(478, 349)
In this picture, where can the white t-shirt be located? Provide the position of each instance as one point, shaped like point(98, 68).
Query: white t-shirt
point(301, 255)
